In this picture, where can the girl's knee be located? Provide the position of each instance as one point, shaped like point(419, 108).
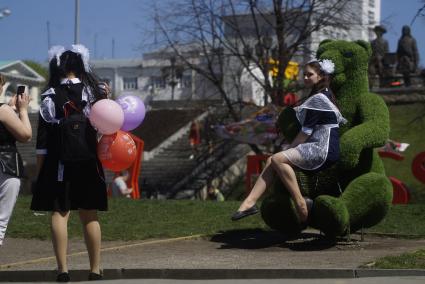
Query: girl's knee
point(276, 159)
point(279, 161)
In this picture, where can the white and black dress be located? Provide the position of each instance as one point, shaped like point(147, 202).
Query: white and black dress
point(320, 119)
point(70, 186)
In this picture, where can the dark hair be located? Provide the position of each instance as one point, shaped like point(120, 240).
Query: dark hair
point(324, 82)
point(71, 62)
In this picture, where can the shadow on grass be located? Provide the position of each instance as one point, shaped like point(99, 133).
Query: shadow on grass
point(260, 239)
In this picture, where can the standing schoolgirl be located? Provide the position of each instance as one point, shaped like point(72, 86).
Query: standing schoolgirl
point(64, 185)
point(314, 148)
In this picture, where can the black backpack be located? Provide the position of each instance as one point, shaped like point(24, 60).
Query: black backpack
point(74, 132)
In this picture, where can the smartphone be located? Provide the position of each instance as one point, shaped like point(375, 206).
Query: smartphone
point(21, 90)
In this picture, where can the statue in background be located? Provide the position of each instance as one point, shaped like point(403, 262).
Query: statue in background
point(407, 55)
point(379, 49)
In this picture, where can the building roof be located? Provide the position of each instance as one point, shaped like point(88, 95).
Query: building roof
point(19, 70)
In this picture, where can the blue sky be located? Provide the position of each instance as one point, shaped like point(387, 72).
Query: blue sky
point(23, 35)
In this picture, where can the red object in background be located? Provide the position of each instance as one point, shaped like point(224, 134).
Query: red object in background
point(401, 193)
point(195, 133)
point(290, 99)
point(254, 166)
point(390, 154)
point(418, 167)
point(134, 170)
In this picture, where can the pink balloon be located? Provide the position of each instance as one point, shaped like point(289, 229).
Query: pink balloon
point(106, 116)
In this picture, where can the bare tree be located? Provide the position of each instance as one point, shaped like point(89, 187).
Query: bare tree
point(233, 35)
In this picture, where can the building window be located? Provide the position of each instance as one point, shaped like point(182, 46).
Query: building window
point(130, 83)
point(158, 82)
point(372, 3)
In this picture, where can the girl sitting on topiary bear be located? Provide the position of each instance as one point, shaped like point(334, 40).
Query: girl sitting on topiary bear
point(315, 148)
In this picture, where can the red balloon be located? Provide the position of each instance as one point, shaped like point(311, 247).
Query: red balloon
point(117, 151)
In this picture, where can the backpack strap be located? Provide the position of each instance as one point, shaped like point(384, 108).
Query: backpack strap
point(68, 107)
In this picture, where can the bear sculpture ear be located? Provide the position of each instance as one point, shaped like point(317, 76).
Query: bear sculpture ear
point(366, 46)
point(325, 41)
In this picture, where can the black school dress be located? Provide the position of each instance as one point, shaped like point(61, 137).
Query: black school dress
point(63, 187)
point(320, 119)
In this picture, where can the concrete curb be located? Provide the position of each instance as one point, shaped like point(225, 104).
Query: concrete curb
point(210, 274)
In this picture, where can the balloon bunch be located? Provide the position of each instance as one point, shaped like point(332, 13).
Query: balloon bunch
point(116, 149)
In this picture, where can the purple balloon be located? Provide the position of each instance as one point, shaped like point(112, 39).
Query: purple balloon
point(134, 111)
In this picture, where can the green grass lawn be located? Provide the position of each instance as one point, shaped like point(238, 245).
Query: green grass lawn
point(143, 219)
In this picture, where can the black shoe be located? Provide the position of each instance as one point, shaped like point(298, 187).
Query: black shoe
point(94, 276)
point(63, 277)
point(245, 213)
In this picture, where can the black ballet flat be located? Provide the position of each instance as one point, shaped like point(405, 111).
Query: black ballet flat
point(63, 277)
point(245, 213)
point(94, 276)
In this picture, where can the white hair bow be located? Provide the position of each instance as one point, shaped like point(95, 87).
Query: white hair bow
point(84, 52)
point(56, 51)
point(327, 66)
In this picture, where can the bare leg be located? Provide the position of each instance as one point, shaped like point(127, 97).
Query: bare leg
point(59, 228)
point(264, 181)
point(92, 237)
point(284, 169)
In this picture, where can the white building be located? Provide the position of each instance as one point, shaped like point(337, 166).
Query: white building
point(122, 75)
point(157, 76)
point(18, 73)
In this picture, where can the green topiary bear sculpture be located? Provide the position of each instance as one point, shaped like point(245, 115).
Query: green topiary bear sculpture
point(355, 192)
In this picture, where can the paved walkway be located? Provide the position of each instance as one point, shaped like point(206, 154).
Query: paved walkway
point(249, 254)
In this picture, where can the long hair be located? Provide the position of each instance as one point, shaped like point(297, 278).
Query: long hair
point(71, 62)
point(324, 82)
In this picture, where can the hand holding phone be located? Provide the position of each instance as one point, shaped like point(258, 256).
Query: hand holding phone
point(21, 90)
point(21, 100)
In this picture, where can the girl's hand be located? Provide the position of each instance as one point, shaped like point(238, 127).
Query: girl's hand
point(22, 102)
